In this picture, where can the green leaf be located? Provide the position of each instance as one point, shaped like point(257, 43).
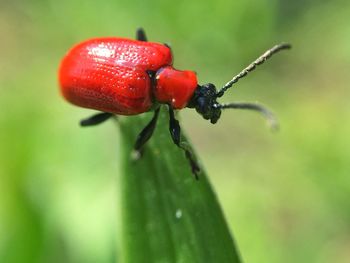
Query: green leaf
point(167, 215)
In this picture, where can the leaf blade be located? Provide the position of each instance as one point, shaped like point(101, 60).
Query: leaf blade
point(167, 215)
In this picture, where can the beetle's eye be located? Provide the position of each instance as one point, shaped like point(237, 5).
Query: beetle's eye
point(201, 104)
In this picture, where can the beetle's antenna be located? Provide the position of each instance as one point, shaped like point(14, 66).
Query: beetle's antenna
point(260, 60)
point(270, 117)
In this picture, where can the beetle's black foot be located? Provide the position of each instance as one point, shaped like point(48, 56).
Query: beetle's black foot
point(194, 165)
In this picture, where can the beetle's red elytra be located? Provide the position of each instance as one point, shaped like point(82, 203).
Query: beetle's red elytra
point(111, 75)
point(120, 76)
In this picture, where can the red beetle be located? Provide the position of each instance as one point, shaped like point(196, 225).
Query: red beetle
point(127, 77)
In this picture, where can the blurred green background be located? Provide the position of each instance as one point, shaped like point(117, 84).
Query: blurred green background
point(286, 195)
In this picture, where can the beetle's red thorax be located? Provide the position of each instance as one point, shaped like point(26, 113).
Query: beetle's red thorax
point(175, 87)
point(109, 74)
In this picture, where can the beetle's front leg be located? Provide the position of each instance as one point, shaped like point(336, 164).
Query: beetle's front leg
point(175, 132)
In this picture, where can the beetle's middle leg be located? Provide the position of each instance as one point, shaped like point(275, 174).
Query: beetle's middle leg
point(146, 134)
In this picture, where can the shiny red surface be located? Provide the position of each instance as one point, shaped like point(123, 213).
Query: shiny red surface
point(175, 87)
point(109, 74)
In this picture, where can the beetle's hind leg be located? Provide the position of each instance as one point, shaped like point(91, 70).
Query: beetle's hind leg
point(175, 132)
point(145, 135)
point(96, 119)
point(141, 35)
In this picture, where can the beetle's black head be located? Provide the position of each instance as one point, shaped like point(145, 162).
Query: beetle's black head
point(204, 101)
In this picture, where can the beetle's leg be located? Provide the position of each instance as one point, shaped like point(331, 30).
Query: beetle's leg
point(141, 35)
point(175, 132)
point(96, 119)
point(145, 134)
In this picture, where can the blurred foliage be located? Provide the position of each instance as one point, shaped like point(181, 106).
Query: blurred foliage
point(285, 195)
